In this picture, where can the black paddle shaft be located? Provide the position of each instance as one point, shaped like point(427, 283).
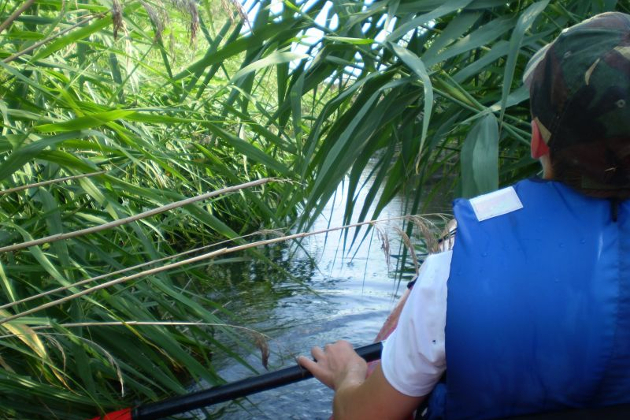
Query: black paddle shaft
point(237, 389)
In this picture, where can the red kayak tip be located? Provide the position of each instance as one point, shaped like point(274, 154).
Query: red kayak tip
point(116, 415)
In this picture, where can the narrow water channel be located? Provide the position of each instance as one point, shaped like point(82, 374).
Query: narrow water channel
point(351, 294)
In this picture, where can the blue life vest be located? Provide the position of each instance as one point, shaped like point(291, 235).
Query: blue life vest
point(538, 309)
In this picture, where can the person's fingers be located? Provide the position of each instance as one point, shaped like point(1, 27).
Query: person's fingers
point(317, 353)
point(318, 372)
point(307, 363)
point(321, 373)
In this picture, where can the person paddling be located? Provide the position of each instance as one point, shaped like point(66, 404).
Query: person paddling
point(537, 313)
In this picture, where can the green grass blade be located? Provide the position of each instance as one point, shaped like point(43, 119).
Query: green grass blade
point(417, 66)
point(524, 22)
point(480, 157)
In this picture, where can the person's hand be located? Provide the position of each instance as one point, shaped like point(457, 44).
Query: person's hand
point(336, 365)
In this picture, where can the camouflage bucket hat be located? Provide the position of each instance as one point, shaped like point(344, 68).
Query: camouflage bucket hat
point(580, 97)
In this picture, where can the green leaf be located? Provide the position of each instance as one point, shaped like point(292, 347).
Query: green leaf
point(7, 285)
point(525, 21)
point(480, 158)
point(42, 258)
point(21, 156)
point(417, 66)
point(455, 29)
point(55, 226)
point(479, 38)
point(273, 59)
point(348, 40)
point(89, 121)
point(236, 47)
point(295, 96)
point(73, 37)
point(445, 8)
point(249, 150)
point(29, 35)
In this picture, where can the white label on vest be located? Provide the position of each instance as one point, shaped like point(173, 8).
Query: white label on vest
point(496, 203)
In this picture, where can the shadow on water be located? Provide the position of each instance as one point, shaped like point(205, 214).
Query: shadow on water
point(343, 295)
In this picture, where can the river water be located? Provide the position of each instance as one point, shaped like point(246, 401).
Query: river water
point(341, 295)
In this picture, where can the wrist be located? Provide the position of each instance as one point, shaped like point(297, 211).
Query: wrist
point(352, 376)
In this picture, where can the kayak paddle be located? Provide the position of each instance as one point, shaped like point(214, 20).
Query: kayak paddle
point(227, 392)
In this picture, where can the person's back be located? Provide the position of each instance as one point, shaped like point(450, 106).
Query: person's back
point(538, 305)
point(538, 313)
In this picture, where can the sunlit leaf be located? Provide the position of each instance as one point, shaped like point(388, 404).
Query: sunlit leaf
point(480, 156)
point(275, 58)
